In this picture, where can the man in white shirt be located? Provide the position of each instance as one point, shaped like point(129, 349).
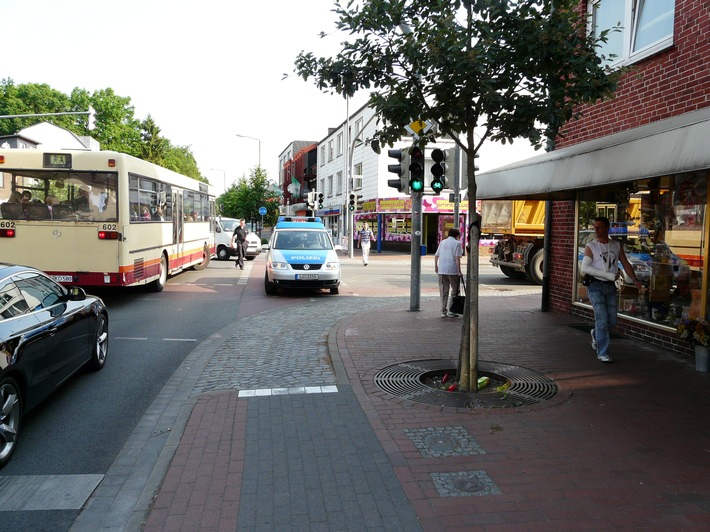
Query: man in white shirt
point(447, 264)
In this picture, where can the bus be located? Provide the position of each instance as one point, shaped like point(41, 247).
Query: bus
point(102, 218)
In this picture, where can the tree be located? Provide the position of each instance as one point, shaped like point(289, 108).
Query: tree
point(244, 198)
point(506, 68)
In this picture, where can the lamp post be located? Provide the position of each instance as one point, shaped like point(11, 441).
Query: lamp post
point(252, 138)
point(224, 177)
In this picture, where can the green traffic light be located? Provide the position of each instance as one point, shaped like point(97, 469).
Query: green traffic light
point(417, 185)
point(437, 185)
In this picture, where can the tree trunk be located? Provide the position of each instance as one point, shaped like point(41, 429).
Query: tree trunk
point(468, 353)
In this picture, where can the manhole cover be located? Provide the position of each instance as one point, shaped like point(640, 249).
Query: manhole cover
point(469, 485)
point(407, 380)
point(439, 442)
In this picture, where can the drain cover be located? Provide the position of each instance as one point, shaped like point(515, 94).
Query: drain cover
point(526, 386)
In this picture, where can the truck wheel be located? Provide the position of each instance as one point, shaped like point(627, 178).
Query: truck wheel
point(534, 269)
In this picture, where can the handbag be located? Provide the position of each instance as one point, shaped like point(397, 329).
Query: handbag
point(458, 302)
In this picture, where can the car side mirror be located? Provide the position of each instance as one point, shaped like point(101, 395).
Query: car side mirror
point(76, 293)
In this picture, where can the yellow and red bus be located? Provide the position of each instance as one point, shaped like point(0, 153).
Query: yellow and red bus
point(102, 218)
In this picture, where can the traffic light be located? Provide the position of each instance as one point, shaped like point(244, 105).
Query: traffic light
point(91, 121)
point(311, 199)
point(351, 205)
point(443, 172)
point(416, 169)
point(401, 169)
point(320, 200)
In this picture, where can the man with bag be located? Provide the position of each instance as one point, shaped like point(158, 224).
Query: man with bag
point(239, 243)
point(447, 264)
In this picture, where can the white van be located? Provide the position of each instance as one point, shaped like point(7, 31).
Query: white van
point(224, 229)
point(301, 255)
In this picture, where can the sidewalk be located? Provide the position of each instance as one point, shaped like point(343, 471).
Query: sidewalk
point(619, 446)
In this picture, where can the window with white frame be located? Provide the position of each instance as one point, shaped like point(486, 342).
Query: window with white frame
point(358, 127)
point(357, 172)
point(339, 183)
point(321, 188)
point(339, 146)
point(639, 28)
point(322, 155)
point(330, 186)
point(330, 150)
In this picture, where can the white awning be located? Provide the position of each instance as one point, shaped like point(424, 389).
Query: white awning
point(671, 146)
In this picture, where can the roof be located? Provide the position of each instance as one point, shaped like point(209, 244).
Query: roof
point(673, 145)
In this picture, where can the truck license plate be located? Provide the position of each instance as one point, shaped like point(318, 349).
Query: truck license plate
point(63, 278)
point(307, 276)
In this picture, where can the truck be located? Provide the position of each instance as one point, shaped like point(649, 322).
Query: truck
point(518, 226)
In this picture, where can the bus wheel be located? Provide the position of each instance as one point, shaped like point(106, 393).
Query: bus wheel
point(159, 283)
point(534, 270)
point(205, 259)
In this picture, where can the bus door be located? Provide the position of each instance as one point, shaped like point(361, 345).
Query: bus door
point(178, 221)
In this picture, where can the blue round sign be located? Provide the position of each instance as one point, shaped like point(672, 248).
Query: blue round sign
point(262, 210)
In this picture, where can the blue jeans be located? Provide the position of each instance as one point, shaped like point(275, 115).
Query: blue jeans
point(604, 300)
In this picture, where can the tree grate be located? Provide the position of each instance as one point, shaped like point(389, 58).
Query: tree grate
point(407, 380)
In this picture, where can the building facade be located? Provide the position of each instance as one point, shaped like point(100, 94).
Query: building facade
point(640, 159)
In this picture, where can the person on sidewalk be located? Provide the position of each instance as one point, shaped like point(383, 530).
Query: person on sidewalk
point(601, 264)
point(239, 243)
point(447, 265)
point(365, 236)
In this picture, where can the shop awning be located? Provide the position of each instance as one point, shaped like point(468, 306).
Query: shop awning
point(670, 146)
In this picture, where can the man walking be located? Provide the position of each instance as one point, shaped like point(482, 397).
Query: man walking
point(601, 264)
point(364, 239)
point(447, 264)
point(239, 243)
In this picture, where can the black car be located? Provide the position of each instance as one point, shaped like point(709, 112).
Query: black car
point(47, 333)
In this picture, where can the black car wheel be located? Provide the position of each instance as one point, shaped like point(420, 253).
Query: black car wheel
point(223, 253)
point(100, 348)
point(10, 414)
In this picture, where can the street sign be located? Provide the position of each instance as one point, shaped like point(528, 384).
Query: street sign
point(262, 211)
point(418, 127)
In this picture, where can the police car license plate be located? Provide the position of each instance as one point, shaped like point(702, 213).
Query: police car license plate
point(307, 276)
point(63, 278)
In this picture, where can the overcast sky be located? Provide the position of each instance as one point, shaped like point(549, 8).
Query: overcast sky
point(205, 71)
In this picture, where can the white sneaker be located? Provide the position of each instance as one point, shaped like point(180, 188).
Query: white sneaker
point(604, 358)
point(594, 340)
point(444, 314)
point(452, 315)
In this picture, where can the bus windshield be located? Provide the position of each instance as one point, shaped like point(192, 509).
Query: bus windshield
point(59, 195)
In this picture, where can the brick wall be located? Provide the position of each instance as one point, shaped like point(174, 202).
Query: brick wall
point(671, 83)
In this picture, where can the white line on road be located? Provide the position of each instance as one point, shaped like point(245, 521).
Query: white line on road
point(179, 339)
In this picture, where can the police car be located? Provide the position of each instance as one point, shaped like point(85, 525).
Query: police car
point(301, 255)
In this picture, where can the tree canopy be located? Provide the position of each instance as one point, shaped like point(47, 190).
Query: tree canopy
point(117, 128)
point(506, 68)
point(243, 199)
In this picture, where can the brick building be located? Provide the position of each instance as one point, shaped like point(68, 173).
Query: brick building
point(642, 160)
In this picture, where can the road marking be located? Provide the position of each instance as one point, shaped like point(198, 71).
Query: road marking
point(261, 392)
point(46, 492)
point(179, 339)
point(126, 338)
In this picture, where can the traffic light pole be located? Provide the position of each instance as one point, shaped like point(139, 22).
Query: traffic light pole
point(416, 264)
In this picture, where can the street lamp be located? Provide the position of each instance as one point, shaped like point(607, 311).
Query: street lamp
point(252, 138)
point(224, 177)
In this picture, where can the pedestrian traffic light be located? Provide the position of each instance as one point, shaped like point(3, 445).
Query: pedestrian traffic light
point(440, 169)
point(401, 169)
point(351, 205)
point(320, 200)
point(416, 169)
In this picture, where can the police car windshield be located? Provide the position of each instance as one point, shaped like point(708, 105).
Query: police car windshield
point(302, 240)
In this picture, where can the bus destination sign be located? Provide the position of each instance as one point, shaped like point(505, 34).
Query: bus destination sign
point(57, 160)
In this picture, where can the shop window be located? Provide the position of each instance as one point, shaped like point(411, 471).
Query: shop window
point(639, 28)
point(661, 224)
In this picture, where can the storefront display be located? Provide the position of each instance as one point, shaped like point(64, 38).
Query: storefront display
point(661, 224)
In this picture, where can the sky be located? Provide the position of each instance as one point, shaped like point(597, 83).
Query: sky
point(205, 71)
